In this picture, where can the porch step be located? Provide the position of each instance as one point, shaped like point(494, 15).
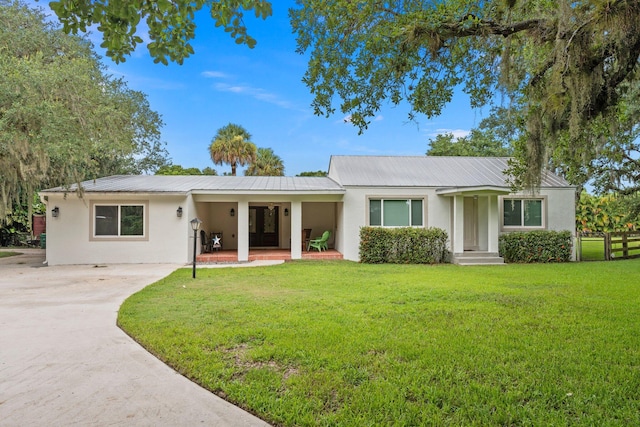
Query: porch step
point(478, 258)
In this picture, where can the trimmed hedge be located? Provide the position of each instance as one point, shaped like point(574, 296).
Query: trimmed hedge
point(536, 246)
point(405, 245)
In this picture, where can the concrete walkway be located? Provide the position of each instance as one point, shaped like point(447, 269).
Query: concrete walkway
point(64, 362)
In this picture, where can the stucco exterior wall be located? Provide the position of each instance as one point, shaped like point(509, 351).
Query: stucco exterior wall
point(69, 241)
point(436, 212)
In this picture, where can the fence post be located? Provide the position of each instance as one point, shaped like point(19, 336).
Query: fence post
point(625, 246)
point(607, 246)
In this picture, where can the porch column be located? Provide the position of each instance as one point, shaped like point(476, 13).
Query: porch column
point(296, 230)
point(493, 225)
point(243, 230)
point(458, 225)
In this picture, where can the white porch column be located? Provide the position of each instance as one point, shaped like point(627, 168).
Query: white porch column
point(296, 230)
point(458, 225)
point(493, 224)
point(243, 230)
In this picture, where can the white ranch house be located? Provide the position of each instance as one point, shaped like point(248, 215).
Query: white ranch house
point(146, 219)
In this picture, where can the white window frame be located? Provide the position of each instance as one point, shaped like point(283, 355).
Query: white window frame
point(408, 199)
point(522, 227)
point(119, 204)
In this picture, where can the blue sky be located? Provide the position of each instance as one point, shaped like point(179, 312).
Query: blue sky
point(261, 89)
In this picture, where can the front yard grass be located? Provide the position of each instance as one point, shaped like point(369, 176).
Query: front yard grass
point(5, 254)
point(341, 343)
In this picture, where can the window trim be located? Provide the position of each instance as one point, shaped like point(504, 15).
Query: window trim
point(410, 198)
point(119, 203)
point(544, 213)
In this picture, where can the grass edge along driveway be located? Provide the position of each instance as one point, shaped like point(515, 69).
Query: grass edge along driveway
point(342, 343)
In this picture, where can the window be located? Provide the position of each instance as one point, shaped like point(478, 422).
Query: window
point(119, 220)
point(522, 213)
point(395, 212)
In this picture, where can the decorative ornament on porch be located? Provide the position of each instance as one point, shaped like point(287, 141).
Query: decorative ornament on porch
point(216, 244)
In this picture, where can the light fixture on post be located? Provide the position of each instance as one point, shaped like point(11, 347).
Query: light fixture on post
point(286, 211)
point(179, 212)
point(55, 212)
point(195, 225)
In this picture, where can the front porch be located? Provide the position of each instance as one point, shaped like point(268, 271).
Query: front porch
point(231, 256)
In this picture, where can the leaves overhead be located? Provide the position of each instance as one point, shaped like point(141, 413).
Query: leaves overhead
point(171, 24)
point(62, 120)
point(566, 62)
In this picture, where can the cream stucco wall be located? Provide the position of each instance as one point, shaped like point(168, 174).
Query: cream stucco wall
point(69, 241)
point(559, 211)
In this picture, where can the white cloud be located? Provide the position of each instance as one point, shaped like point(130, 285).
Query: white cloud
point(457, 133)
point(254, 92)
point(215, 74)
point(378, 118)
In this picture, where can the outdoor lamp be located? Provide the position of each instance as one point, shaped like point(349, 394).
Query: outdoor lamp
point(195, 225)
point(232, 212)
point(286, 212)
point(55, 212)
point(179, 212)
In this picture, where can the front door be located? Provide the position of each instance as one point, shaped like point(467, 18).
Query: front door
point(470, 224)
point(263, 226)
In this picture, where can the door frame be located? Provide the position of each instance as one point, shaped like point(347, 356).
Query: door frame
point(259, 234)
point(470, 232)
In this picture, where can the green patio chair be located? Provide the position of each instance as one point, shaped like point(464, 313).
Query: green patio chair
point(321, 243)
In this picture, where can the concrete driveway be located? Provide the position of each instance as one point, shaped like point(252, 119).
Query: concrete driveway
point(64, 362)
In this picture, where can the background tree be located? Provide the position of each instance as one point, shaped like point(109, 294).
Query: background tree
point(267, 163)
point(495, 136)
point(62, 119)
point(179, 170)
point(313, 173)
point(170, 24)
point(564, 61)
point(232, 145)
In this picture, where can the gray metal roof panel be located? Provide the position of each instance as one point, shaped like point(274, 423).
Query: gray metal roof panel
point(426, 171)
point(187, 183)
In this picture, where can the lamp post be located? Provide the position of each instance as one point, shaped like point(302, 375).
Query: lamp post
point(195, 225)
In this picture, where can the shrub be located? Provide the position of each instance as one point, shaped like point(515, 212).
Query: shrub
point(536, 246)
point(403, 245)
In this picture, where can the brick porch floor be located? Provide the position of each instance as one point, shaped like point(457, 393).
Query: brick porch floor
point(264, 254)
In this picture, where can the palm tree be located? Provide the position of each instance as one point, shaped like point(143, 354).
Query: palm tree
point(232, 144)
point(267, 163)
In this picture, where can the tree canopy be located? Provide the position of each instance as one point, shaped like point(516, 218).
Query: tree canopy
point(232, 145)
point(266, 163)
point(495, 136)
point(62, 119)
point(179, 170)
point(170, 24)
point(567, 62)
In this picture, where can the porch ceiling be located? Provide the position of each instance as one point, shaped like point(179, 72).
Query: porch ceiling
point(472, 191)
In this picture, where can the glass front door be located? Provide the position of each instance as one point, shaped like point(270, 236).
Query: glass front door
point(263, 226)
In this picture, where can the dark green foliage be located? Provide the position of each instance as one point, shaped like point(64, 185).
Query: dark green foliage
point(536, 246)
point(405, 245)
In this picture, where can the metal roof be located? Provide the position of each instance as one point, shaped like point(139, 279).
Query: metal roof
point(204, 183)
point(426, 171)
point(358, 171)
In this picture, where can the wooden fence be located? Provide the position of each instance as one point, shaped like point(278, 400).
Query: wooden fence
point(622, 245)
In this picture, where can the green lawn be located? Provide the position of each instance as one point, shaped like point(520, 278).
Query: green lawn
point(592, 249)
point(4, 254)
point(341, 343)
